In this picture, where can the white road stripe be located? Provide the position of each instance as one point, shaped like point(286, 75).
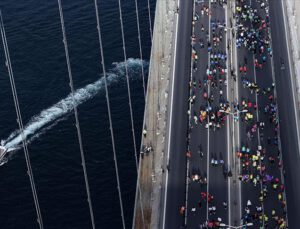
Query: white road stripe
point(208, 153)
point(292, 73)
point(190, 109)
point(228, 132)
point(258, 138)
point(275, 96)
point(171, 117)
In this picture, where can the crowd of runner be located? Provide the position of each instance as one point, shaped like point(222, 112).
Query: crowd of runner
point(258, 163)
point(210, 93)
point(211, 88)
point(252, 34)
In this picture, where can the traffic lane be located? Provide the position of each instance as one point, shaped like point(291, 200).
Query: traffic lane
point(204, 74)
point(288, 132)
point(218, 186)
point(219, 138)
point(198, 134)
point(265, 80)
point(198, 138)
point(249, 191)
point(177, 174)
point(253, 196)
point(198, 166)
point(271, 202)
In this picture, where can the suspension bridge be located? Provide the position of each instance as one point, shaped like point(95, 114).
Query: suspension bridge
point(177, 184)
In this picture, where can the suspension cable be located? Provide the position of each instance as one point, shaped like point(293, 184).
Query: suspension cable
point(140, 45)
point(149, 18)
point(128, 84)
point(76, 115)
point(20, 123)
point(109, 114)
point(144, 87)
point(129, 98)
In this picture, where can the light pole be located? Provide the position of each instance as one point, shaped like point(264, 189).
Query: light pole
point(230, 28)
point(294, 7)
point(236, 227)
point(234, 114)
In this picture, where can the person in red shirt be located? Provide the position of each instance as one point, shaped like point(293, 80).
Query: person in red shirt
point(210, 198)
point(182, 210)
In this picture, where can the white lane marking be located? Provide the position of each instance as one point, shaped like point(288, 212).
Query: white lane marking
point(207, 165)
point(238, 144)
point(258, 138)
point(171, 116)
point(208, 85)
point(189, 135)
point(279, 138)
point(228, 132)
point(292, 73)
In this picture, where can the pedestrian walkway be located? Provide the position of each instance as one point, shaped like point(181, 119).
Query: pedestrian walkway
point(153, 161)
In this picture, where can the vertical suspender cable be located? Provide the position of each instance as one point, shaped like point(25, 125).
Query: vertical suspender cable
point(109, 114)
point(128, 84)
point(130, 104)
point(140, 45)
point(144, 87)
point(76, 115)
point(20, 123)
point(149, 18)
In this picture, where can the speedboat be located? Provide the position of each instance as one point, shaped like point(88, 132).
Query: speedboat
point(3, 152)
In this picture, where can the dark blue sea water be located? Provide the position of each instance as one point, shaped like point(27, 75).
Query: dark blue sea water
point(38, 60)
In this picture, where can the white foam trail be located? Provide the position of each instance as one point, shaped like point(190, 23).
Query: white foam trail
point(38, 134)
point(52, 114)
point(56, 111)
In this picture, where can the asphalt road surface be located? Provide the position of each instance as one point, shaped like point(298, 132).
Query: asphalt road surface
point(177, 173)
point(187, 135)
point(213, 141)
point(288, 131)
point(264, 78)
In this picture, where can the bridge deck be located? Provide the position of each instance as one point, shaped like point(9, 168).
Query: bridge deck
point(152, 163)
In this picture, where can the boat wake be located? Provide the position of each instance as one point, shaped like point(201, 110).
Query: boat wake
point(48, 118)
